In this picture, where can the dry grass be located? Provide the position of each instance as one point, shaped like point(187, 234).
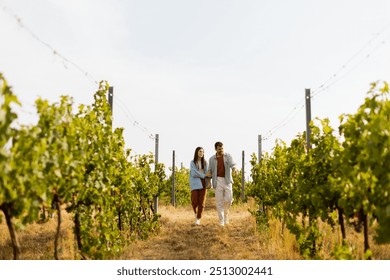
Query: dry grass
point(355, 240)
point(180, 239)
point(37, 240)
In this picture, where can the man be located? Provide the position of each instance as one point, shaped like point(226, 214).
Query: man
point(221, 166)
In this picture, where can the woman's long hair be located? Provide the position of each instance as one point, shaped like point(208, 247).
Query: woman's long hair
point(196, 157)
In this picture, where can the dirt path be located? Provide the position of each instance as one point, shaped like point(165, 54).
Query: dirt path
point(181, 239)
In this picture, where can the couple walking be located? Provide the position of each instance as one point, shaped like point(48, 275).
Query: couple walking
point(219, 170)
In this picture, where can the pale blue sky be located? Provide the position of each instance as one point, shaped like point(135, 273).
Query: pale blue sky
point(196, 72)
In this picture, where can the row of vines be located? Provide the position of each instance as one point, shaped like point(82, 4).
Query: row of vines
point(75, 161)
point(339, 176)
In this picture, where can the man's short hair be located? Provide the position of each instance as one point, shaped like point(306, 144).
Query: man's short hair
point(218, 144)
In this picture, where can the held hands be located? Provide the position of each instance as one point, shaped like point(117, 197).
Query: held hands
point(208, 174)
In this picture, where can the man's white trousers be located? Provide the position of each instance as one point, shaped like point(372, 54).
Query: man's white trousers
point(223, 199)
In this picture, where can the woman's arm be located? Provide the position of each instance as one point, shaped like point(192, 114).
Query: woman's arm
point(194, 172)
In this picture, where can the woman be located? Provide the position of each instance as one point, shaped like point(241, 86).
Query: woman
point(198, 168)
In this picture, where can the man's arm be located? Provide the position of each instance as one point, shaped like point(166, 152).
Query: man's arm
point(210, 165)
point(233, 166)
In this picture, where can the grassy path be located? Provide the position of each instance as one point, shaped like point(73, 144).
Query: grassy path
point(181, 239)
